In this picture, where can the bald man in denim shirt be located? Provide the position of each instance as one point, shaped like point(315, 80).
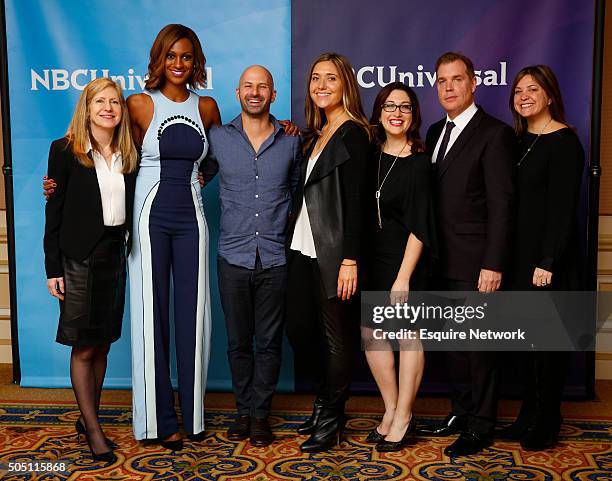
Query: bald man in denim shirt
point(259, 168)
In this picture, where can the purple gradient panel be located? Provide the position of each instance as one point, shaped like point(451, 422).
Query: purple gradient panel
point(409, 34)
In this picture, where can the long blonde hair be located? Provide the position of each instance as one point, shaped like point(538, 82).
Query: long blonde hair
point(351, 101)
point(79, 131)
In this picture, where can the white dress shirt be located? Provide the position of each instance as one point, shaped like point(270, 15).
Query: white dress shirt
point(112, 187)
point(460, 123)
point(303, 241)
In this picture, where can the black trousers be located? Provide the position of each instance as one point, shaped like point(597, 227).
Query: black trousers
point(544, 377)
point(253, 302)
point(473, 377)
point(323, 333)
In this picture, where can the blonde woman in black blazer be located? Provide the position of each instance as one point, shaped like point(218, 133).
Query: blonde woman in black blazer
point(87, 223)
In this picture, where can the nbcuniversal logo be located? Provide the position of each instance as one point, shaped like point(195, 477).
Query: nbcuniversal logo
point(62, 79)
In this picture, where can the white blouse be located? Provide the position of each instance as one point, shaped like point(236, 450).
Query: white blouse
point(302, 235)
point(112, 188)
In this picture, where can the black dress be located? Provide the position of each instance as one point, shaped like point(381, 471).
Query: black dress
point(406, 208)
point(549, 179)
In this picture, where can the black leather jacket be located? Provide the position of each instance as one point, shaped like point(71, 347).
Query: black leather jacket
point(334, 197)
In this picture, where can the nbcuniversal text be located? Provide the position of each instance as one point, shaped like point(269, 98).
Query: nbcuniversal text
point(472, 321)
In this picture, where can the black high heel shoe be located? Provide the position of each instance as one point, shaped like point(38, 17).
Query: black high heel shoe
point(307, 427)
point(108, 457)
point(81, 429)
point(374, 437)
point(172, 445)
point(391, 446)
point(543, 435)
point(327, 432)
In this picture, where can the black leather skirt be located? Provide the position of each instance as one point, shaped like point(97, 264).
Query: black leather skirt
point(92, 310)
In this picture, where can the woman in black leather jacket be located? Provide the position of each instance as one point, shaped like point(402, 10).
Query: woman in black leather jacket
point(322, 324)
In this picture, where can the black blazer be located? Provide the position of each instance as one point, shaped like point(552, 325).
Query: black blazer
point(334, 197)
point(74, 222)
point(474, 193)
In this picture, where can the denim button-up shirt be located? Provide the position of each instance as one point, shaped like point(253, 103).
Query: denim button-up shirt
point(255, 189)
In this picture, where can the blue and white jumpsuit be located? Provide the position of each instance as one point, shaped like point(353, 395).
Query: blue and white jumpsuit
point(170, 237)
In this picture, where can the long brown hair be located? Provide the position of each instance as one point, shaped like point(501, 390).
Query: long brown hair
point(412, 134)
point(545, 78)
point(167, 37)
point(79, 131)
point(351, 101)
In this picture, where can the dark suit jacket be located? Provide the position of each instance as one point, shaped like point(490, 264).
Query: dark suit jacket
point(474, 192)
point(74, 222)
point(334, 197)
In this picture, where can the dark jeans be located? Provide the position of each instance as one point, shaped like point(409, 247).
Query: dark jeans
point(322, 332)
point(473, 377)
point(253, 303)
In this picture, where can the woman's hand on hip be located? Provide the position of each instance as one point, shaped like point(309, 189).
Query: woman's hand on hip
point(347, 279)
point(56, 287)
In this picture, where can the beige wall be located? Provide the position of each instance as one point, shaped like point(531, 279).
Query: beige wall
point(603, 357)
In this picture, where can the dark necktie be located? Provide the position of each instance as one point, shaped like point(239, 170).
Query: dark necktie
point(444, 144)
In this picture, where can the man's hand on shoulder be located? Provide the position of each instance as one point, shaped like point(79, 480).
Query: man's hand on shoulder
point(48, 187)
point(289, 127)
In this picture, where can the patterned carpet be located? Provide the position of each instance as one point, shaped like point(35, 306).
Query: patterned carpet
point(44, 432)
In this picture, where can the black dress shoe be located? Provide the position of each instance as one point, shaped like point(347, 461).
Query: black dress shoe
point(408, 438)
point(261, 434)
point(452, 424)
point(240, 429)
point(307, 427)
point(374, 437)
point(467, 443)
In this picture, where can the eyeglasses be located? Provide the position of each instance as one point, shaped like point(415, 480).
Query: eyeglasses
point(404, 108)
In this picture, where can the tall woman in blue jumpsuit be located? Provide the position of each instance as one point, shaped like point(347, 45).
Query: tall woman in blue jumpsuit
point(170, 233)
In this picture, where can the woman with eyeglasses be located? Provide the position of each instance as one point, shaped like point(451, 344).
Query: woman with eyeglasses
point(401, 237)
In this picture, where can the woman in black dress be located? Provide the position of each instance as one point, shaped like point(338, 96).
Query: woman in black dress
point(402, 235)
point(85, 242)
point(547, 244)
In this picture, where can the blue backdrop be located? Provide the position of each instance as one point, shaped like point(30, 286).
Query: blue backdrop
point(54, 49)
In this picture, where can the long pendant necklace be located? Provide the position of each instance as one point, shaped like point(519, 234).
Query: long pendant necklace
point(534, 142)
point(380, 184)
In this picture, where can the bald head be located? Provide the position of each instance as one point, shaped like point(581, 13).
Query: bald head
point(257, 71)
point(256, 91)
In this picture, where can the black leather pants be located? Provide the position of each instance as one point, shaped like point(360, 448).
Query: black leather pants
point(322, 332)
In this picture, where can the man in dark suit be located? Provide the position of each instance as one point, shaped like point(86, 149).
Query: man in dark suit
point(474, 159)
